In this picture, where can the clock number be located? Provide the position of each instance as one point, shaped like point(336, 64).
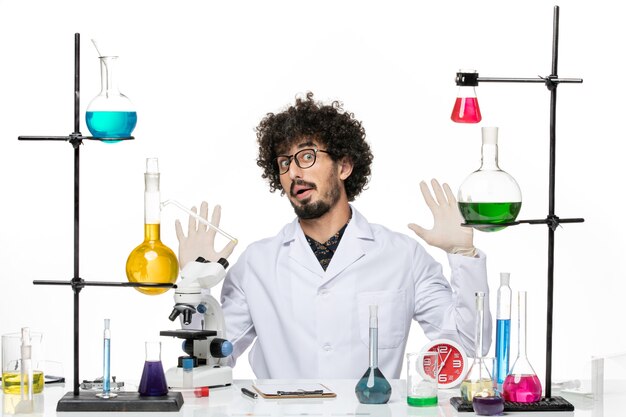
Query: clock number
point(443, 378)
point(456, 363)
point(443, 349)
point(427, 362)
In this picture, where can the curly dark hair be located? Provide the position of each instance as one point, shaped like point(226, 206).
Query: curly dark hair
point(338, 131)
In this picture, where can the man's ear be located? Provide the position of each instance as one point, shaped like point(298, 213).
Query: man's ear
point(345, 168)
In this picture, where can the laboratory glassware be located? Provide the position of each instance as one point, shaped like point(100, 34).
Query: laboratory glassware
point(503, 330)
point(489, 195)
point(106, 362)
point(110, 114)
point(21, 355)
point(421, 382)
point(478, 379)
point(373, 387)
point(153, 383)
point(466, 109)
point(188, 372)
point(522, 384)
point(152, 261)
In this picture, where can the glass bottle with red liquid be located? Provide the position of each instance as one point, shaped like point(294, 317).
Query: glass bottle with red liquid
point(466, 108)
point(522, 384)
point(153, 383)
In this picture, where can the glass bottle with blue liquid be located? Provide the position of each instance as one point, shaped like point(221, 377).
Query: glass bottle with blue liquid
point(503, 330)
point(110, 115)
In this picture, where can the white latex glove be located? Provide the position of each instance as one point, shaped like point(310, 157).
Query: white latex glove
point(200, 239)
point(447, 232)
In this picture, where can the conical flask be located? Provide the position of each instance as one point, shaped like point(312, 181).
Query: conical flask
point(489, 196)
point(466, 109)
point(522, 384)
point(373, 387)
point(153, 382)
point(478, 379)
point(152, 261)
point(110, 114)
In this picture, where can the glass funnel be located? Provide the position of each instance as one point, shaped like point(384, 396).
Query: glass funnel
point(522, 384)
point(373, 387)
point(489, 196)
point(152, 261)
point(466, 109)
point(478, 379)
point(110, 114)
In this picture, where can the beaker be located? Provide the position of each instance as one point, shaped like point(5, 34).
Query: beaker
point(20, 357)
point(478, 379)
point(152, 261)
point(421, 380)
point(373, 387)
point(110, 114)
point(489, 195)
point(153, 383)
point(522, 384)
point(466, 109)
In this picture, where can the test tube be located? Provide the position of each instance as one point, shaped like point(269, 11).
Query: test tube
point(106, 363)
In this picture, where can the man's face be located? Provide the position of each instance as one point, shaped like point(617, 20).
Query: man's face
point(312, 191)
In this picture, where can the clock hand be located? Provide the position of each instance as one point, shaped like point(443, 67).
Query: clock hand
point(444, 361)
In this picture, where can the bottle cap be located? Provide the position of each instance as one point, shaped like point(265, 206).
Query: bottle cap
point(187, 364)
point(505, 278)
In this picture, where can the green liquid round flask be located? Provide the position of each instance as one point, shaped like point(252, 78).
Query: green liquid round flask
point(489, 196)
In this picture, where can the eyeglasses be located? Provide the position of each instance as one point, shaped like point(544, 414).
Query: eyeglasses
point(304, 159)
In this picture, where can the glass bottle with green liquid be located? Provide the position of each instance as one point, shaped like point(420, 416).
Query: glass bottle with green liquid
point(489, 196)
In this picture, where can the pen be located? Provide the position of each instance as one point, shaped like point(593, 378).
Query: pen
point(249, 393)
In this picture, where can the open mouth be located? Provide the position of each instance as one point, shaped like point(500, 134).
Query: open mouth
point(301, 190)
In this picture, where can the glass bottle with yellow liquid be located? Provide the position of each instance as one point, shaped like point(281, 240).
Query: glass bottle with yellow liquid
point(152, 261)
point(478, 380)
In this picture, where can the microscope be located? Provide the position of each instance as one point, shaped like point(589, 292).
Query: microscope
point(203, 328)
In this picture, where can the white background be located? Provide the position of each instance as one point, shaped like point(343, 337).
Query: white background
point(202, 75)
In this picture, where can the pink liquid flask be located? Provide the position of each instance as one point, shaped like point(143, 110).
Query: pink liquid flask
point(466, 110)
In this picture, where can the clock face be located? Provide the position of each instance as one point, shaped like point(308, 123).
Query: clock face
point(452, 362)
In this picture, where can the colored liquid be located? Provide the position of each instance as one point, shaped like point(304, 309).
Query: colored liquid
point(503, 341)
point(111, 124)
point(11, 382)
point(106, 380)
point(152, 382)
point(478, 214)
point(488, 406)
point(373, 389)
point(466, 110)
point(522, 388)
point(421, 402)
point(471, 388)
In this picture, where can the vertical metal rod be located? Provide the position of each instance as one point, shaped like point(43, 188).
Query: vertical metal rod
point(551, 191)
point(76, 145)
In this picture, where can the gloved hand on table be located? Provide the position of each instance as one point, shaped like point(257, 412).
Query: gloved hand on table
point(447, 232)
point(200, 239)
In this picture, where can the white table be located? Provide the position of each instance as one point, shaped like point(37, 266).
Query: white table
point(231, 402)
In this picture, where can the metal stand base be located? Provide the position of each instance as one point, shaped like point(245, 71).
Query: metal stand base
point(545, 404)
point(125, 401)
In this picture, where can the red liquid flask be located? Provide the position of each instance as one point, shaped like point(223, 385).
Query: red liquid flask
point(466, 110)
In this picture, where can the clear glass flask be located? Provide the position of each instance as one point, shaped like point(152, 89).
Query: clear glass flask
point(478, 379)
point(373, 387)
point(152, 261)
point(489, 196)
point(110, 114)
point(466, 109)
point(153, 383)
point(503, 330)
point(522, 384)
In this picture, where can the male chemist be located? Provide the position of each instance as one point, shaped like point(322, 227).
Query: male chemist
point(303, 296)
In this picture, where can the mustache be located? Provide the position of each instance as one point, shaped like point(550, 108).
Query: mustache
point(300, 182)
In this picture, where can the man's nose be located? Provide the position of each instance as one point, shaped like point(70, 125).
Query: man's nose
point(294, 170)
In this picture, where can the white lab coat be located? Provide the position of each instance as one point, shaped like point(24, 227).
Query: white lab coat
point(311, 323)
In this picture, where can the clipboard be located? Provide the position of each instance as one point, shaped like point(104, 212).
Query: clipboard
point(294, 390)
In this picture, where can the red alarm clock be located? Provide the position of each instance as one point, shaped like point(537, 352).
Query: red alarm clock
point(453, 362)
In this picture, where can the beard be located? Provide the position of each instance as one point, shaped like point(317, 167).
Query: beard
point(308, 210)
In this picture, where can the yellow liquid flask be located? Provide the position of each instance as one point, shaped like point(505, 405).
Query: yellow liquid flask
point(152, 261)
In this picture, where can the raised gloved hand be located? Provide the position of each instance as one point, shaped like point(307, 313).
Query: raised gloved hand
point(447, 232)
point(200, 239)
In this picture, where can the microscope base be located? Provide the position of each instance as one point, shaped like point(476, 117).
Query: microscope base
point(203, 376)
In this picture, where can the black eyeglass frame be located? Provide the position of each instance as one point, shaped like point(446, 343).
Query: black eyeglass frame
point(294, 157)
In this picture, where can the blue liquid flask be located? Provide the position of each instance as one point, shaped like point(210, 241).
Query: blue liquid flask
point(503, 330)
point(373, 387)
point(110, 114)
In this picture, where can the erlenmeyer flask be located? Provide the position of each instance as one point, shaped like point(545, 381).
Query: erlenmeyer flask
point(466, 108)
point(373, 387)
point(153, 383)
point(110, 114)
point(489, 196)
point(152, 261)
point(522, 384)
point(478, 379)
